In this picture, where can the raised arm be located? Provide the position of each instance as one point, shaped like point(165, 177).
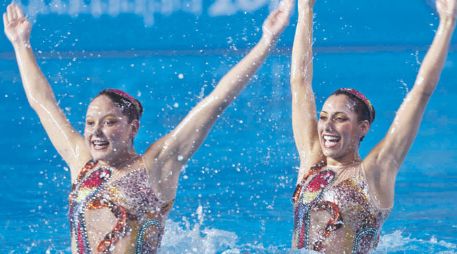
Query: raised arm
point(172, 152)
point(304, 121)
point(68, 142)
point(383, 162)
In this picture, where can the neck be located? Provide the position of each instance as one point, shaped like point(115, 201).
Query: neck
point(344, 161)
point(121, 160)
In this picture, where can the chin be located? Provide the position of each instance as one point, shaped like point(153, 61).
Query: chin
point(331, 154)
point(100, 156)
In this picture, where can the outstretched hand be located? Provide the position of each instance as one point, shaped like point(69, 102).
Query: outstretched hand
point(447, 8)
point(303, 4)
point(277, 21)
point(17, 27)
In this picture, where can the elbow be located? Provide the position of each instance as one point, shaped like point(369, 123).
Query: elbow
point(423, 92)
point(300, 79)
point(34, 104)
point(296, 77)
point(38, 103)
point(296, 81)
point(215, 104)
point(426, 94)
point(426, 83)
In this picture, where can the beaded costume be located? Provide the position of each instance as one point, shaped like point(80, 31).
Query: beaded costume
point(138, 211)
point(334, 212)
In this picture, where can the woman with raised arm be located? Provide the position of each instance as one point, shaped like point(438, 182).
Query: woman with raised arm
point(120, 199)
point(342, 200)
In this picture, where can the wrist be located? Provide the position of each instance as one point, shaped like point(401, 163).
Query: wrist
point(307, 10)
point(446, 26)
point(268, 40)
point(448, 20)
point(21, 45)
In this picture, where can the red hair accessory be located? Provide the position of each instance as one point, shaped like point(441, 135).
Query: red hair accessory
point(128, 97)
point(361, 97)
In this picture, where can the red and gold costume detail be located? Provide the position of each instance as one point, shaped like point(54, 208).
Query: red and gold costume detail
point(334, 212)
point(131, 200)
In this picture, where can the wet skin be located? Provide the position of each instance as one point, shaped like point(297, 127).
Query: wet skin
point(340, 130)
point(107, 133)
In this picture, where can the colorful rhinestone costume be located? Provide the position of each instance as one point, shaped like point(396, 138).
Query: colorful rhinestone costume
point(137, 210)
point(334, 212)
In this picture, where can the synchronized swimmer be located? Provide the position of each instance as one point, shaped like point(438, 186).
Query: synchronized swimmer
point(341, 200)
point(120, 199)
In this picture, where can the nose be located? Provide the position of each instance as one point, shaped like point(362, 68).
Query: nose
point(328, 125)
point(98, 130)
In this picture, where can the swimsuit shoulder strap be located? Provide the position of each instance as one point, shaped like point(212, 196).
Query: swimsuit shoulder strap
point(313, 170)
point(91, 164)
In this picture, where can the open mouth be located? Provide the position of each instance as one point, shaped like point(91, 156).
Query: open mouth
point(99, 144)
point(331, 141)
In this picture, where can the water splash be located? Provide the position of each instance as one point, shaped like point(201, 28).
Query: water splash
point(399, 241)
point(186, 238)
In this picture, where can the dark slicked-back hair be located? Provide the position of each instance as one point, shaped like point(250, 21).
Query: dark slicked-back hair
point(363, 107)
point(130, 106)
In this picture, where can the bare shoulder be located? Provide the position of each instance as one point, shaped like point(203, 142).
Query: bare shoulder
point(160, 162)
point(315, 159)
point(78, 162)
point(380, 174)
point(381, 163)
point(155, 152)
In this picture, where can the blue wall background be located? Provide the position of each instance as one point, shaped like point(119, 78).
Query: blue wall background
point(120, 25)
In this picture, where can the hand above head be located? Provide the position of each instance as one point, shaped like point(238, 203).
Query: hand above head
point(277, 21)
point(303, 4)
point(447, 8)
point(17, 27)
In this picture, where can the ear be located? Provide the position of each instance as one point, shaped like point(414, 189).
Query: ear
point(364, 127)
point(135, 126)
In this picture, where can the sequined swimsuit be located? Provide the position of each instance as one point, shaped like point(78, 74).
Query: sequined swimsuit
point(334, 212)
point(138, 211)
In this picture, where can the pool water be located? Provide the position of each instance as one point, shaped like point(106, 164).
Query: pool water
point(235, 193)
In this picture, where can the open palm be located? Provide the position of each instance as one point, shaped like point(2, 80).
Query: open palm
point(278, 19)
point(447, 8)
point(17, 27)
point(302, 4)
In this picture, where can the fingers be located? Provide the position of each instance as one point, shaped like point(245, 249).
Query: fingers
point(282, 12)
point(7, 14)
point(19, 11)
point(440, 2)
point(11, 12)
point(286, 5)
point(446, 8)
point(5, 20)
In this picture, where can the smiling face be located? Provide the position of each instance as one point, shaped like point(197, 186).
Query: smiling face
point(340, 129)
point(108, 132)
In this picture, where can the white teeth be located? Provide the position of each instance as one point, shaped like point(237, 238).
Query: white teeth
point(330, 141)
point(331, 138)
point(98, 142)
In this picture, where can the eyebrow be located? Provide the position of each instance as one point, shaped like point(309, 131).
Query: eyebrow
point(105, 116)
point(336, 113)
